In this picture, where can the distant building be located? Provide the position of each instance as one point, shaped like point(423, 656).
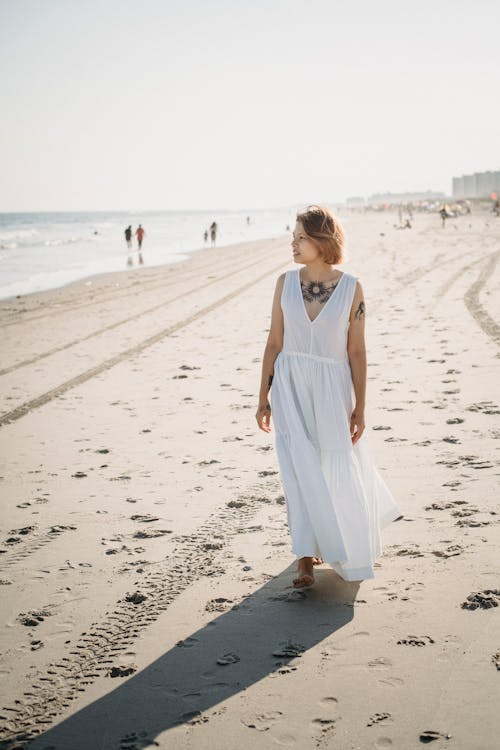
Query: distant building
point(470, 186)
point(428, 195)
point(477, 185)
point(457, 190)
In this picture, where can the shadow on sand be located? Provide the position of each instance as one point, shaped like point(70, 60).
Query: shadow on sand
point(187, 680)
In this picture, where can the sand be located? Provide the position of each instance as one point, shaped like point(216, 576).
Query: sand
point(145, 560)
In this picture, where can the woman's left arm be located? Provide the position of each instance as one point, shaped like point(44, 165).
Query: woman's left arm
point(356, 352)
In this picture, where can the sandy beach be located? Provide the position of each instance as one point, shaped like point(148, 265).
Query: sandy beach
point(145, 559)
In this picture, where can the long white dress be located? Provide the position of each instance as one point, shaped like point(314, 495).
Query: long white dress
point(336, 501)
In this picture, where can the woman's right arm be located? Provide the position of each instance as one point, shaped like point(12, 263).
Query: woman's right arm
point(273, 347)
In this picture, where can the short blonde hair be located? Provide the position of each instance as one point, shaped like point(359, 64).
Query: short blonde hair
point(325, 231)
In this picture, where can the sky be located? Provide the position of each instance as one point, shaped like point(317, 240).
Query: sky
point(240, 104)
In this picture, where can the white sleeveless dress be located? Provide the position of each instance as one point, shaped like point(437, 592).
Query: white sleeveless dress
point(336, 500)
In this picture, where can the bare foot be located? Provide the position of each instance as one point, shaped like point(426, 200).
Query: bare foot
point(305, 574)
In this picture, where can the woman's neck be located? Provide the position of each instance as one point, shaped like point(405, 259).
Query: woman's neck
point(314, 272)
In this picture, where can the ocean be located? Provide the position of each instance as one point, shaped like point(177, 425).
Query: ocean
point(40, 251)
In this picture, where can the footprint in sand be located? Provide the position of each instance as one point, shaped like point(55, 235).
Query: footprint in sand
point(282, 670)
point(137, 740)
point(285, 740)
point(377, 718)
point(290, 596)
point(451, 551)
point(122, 671)
point(261, 722)
point(474, 462)
point(412, 550)
point(482, 599)
point(145, 518)
point(151, 533)
point(380, 662)
point(392, 681)
point(464, 512)
point(323, 728)
point(445, 505)
point(485, 407)
point(430, 736)
point(33, 618)
point(416, 640)
point(187, 642)
point(16, 533)
point(135, 598)
point(329, 701)
point(229, 658)
point(452, 485)
point(449, 463)
point(289, 650)
point(220, 604)
point(383, 742)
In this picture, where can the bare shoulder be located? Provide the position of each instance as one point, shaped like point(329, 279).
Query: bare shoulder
point(280, 282)
point(359, 289)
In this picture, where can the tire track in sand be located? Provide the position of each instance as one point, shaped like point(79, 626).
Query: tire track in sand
point(16, 550)
point(124, 321)
point(202, 553)
point(471, 299)
point(44, 398)
point(105, 294)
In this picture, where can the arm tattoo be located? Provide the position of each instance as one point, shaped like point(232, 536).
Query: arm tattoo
point(360, 311)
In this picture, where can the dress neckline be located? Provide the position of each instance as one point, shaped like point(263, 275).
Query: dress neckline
point(326, 303)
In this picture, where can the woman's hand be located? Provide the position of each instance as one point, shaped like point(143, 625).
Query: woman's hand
point(357, 425)
point(263, 416)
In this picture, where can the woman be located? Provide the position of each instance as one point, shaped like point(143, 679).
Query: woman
point(315, 360)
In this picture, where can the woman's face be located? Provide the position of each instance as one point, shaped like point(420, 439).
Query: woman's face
point(304, 249)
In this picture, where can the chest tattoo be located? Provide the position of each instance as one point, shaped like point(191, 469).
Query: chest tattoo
point(317, 291)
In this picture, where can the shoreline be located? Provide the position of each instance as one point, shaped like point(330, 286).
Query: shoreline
point(40, 253)
point(100, 279)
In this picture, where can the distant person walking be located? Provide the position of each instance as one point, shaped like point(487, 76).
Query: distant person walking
point(496, 208)
point(213, 232)
point(140, 236)
point(205, 235)
point(128, 239)
point(444, 215)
